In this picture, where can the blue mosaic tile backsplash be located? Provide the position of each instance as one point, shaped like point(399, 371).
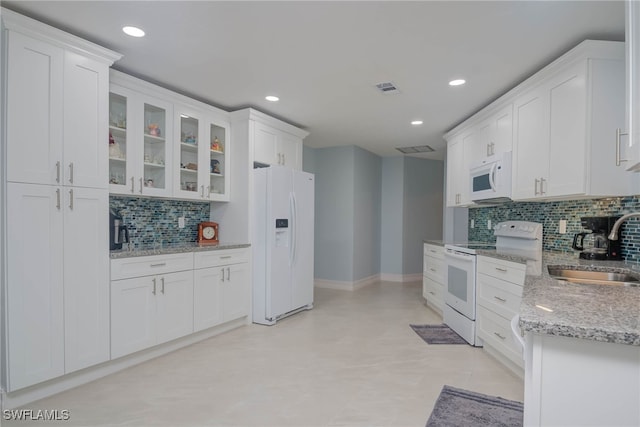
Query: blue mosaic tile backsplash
point(154, 222)
point(550, 213)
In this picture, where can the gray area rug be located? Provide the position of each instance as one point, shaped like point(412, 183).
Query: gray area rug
point(438, 334)
point(461, 408)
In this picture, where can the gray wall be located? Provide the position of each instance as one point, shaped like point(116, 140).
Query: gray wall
point(367, 178)
point(422, 211)
point(373, 213)
point(334, 234)
point(392, 208)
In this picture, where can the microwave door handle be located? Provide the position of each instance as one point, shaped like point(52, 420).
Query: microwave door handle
point(492, 177)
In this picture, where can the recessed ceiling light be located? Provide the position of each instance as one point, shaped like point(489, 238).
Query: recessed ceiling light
point(416, 122)
point(133, 31)
point(272, 98)
point(457, 82)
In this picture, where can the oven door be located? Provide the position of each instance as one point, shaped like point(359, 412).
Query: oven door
point(460, 282)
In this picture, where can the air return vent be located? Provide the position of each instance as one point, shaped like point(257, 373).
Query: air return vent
point(387, 88)
point(415, 150)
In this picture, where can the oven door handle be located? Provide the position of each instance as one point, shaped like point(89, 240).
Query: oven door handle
point(458, 255)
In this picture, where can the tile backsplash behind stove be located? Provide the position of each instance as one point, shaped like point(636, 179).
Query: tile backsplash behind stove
point(155, 221)
point(550, 214)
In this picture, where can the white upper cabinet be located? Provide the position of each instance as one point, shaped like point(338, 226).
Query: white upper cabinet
point(166, 145)
point(628, 149)
point(201, 149)
point(459, 150)
point(56, 119)
point(565, 128)
point(270, 141)
point(140, 135)
point(274, 147)
point(560, 125)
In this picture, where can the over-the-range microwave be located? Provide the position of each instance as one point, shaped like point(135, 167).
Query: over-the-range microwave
point(490, 179)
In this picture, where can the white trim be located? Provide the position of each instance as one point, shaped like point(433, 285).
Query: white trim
point(32, 28)
point(75, 379)
point(386, 277)
point(344, 285)
point(253, 114)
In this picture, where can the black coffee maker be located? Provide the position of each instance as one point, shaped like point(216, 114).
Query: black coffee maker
point(599, 247)
point(118, 232)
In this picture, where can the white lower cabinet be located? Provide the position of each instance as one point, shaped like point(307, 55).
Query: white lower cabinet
point(221, 287)
point(499, 293)
point(433, 276)
point(150, 310)
point(156, 299)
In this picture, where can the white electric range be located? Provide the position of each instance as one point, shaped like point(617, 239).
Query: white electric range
point(522, 238)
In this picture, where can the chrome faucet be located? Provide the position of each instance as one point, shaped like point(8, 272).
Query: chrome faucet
point(614, 230)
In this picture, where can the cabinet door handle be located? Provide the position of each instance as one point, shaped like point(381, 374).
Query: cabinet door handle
point(141, 185)
point(132, 189)
point(432, 293)
point(225, 257)
point(202, 191)
point(535, 187)
point(160, 264)
point(542, 181)
point(154, 286)
point(71, 172)
point(58, 199)
point(223, 274)
point(493, 148)
point(162, 288)
point(432, 251)
point(208, 192)
point(504, 270)
point(71, 199)
point(228, 273)
point(499, 336)
point(619, 133)
point(433, 269)
point(500, 299)
point(284, 159)
point(58, 171)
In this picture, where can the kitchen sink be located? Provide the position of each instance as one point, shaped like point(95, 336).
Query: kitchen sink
point(594, 277)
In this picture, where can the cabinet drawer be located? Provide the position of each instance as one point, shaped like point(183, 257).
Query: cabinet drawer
point(434, 251)
point(499, 295)
point(220, 257)
point(434, 268)
point(505, 270)
point(496, 331)
point(433, 292)
point(125, 268)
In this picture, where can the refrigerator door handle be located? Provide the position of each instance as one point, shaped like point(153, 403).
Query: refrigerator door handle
point(292, 233)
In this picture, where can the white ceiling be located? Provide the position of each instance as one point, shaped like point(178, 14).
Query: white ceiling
point(323, 58)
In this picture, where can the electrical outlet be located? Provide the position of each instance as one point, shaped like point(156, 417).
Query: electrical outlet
point(473, 223)
point(488, 224)
point(181, 222)
point(562, 226)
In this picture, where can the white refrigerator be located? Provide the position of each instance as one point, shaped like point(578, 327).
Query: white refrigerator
point(283, 223)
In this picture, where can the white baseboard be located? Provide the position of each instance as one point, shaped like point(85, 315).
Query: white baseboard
point(386, 277)
point(40, 391)
point(344, 285)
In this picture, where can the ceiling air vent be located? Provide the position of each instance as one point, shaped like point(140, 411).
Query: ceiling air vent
point(387, 88)
point(415, 150)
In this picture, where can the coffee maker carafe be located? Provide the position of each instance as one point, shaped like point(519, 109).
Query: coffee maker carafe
point(599, 246)
point(118, 232)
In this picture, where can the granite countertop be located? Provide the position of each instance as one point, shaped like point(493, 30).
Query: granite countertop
point(174, 249)
point(605, 313)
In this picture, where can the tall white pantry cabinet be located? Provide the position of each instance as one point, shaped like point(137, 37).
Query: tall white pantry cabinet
point(55, 251)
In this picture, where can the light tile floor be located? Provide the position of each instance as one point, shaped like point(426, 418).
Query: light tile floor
point(351, 361)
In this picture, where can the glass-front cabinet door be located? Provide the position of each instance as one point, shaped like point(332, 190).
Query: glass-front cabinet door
point(201, 155)
point(216, 179)
point(139, 151)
